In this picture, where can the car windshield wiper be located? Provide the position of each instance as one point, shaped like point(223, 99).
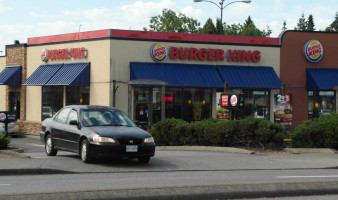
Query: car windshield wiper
point(114, 125)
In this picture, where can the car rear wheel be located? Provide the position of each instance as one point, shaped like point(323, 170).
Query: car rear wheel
point(49, 146)
point(144, 159)
point(85, 151)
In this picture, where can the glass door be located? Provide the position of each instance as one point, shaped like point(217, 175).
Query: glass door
point(14, 103)
point(142, 98)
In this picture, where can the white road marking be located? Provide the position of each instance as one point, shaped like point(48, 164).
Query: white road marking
point(319, 176)
point(36, 145)
point(5, 184)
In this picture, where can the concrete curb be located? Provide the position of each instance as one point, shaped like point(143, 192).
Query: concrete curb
point(14, 152)
point(230, 191)
point(310, 150)
point(204, 148)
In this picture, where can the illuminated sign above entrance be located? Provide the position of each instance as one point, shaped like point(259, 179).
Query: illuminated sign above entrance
point(57, 54)
point(313, 51)
point(160, 53)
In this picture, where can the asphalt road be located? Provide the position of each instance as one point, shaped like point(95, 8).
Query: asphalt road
point(171, 175)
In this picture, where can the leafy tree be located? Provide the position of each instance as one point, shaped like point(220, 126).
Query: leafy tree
point(169, 21)
point(334, 25)
point(310, 25)
point(268, 31)
point(209, 28)
point(249, 29)
point(233, 29)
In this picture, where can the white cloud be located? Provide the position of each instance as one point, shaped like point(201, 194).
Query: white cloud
point(190, 11)
point(137, 15)
point(92, 15)
point(4, 8)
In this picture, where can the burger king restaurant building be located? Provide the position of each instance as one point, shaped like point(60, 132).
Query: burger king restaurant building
point(148, 75)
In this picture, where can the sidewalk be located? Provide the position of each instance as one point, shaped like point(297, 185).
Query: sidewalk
point(27, 156)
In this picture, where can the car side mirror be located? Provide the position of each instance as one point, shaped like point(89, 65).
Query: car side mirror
point(73, 122)
point(76, 123)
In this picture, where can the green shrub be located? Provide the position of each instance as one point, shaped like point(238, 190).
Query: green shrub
point(4, 141)
point(321, 132)
point(214, 132)
point(169, 132)
point(258, 133)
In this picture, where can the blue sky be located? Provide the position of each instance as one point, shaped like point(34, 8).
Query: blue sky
point(22, 19)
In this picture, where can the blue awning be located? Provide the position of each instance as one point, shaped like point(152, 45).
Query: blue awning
point(250, 77)
point(72, 74)
point(68, 74)
point(11, 75)
point(321, 79)
point(42, 74)
point(178, 75)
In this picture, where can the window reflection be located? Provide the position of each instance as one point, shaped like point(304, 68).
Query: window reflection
point(321, 103)
point(52, 98)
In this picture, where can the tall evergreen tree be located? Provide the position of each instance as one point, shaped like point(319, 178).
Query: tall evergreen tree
point(310, 25)
point(301, 25)
point(284, 26)
point(209, 28)
point(248, 21)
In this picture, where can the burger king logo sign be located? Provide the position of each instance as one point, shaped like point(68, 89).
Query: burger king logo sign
point(313, 50)
point(2, 117)
point(158, 52)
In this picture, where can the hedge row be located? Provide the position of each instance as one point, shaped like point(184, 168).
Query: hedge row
point(4, 141)
point(212, 132)
point(318, 133)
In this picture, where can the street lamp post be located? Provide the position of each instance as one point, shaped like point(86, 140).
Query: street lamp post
point(221, 6)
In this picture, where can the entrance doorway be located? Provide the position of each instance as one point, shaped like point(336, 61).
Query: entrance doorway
point(147, 101)
point(14, 103)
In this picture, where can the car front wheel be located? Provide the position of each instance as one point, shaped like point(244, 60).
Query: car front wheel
point(85, 156)
point(49, 146)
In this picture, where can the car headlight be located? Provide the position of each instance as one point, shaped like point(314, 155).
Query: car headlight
point(98, 139)
point(149, 140)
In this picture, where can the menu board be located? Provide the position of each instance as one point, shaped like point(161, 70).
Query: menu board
point(221, 112)
point(282, 109)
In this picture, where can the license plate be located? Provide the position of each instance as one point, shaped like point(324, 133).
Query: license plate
point(131, 148)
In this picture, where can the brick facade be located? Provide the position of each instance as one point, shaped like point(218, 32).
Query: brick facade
point(17, 55)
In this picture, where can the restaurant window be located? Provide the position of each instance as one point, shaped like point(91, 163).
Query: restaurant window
point(77, 95)
point(52, 100)
point(189, 104)
point(173, 108)
point(256, 105)
point(321, 103)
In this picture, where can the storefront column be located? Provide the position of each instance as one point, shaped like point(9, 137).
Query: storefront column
point(336, 94)
point(129, 101)
point(163, 103)
point(150, 107)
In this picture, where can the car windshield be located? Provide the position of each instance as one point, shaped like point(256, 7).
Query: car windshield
point(104, 117)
